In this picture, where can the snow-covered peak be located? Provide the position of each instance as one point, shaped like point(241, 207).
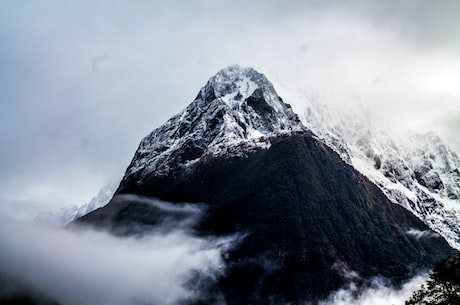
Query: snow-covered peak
point(233, 81)
point(237, 107)
point(235, 84)
point(248, 91)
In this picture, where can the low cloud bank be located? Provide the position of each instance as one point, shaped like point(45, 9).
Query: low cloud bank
point(167, 265)
point(92, 267)
point(378, 292)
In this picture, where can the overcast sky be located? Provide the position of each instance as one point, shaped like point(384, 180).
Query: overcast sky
point(81, 82)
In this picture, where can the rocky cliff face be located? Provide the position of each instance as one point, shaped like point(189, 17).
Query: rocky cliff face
point(309, 222)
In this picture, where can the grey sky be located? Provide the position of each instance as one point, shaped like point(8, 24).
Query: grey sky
point(82, 82)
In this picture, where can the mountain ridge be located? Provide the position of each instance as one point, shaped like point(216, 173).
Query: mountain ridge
point(417, 171)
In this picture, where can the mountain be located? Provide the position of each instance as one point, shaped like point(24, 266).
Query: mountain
point(66, 215)
point(417, 171)
point(308, 222)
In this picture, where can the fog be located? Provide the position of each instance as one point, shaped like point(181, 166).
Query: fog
point(88, 267)
point(93, 267)
point(158, 263)
point(379, 292)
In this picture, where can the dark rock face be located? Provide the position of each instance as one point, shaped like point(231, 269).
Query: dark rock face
point(307, 218)
point(257, 102)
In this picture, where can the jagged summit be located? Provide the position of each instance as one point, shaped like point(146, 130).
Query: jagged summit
point(256, 107)
point(238, 107)
point(235, 84)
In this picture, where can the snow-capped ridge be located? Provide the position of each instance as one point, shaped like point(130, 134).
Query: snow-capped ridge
point(417, 171)
point(238, 107)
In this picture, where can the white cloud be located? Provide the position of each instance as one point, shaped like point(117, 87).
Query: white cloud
point(379, 292)
point(418, 234)
point(91, 267)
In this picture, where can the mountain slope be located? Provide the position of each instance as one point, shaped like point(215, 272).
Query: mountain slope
point(309, 222)
point(417, 171)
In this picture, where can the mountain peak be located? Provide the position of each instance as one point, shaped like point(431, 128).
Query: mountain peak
point(237, 107)
point(239, 87)
point(235, 83)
